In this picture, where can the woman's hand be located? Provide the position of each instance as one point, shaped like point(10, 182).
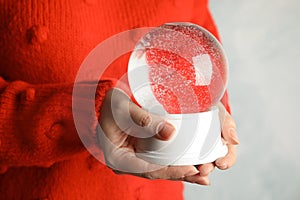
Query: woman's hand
point(230, 138)
point(122, 122)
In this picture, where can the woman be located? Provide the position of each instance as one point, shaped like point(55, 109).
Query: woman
point(43, 44)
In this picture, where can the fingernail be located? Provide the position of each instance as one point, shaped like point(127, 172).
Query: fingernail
point(166, 131)
point(221, 165)
point(159, 127)
point(233, 135)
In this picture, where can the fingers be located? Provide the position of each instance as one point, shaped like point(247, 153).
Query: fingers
point(202, 177)
point(124, 160)
point(229, 136)
point(228, 126)
point(201, 180)
point(165, 130)
point(184, 173)
point(229, 131)
point(206, 169)
point(152, 124)
point(121, 113)
point(141, 117)
point(229, 160)
point(172, 172)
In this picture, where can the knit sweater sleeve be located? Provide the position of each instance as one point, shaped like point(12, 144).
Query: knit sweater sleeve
point(36, 122)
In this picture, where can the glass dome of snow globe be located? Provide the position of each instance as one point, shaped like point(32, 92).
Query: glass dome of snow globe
point(185, 65)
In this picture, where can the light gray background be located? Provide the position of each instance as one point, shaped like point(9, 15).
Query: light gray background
point(261, 38)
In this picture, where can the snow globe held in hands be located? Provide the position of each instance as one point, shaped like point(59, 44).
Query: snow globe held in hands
point(179, 71)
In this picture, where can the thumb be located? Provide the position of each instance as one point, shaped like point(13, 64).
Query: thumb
point(228, 126)
point(229, 131)
point(153, 125)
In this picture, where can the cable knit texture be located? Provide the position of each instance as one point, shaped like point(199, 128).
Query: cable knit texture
point(42, 44)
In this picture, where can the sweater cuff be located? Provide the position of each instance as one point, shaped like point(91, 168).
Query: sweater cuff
point(37, 125)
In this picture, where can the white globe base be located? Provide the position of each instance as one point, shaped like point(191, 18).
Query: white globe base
point(197, 140)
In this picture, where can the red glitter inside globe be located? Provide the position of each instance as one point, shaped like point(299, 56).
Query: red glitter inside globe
point(187, 67)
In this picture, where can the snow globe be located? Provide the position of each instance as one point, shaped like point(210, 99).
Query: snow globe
point(179, 71)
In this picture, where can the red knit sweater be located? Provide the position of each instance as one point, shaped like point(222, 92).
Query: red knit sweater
point(42, 44)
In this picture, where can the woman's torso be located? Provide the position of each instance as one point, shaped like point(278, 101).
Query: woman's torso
point(45, 42)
